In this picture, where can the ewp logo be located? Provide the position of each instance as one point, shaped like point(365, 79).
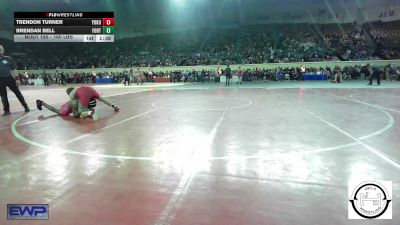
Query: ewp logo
point(27, 212)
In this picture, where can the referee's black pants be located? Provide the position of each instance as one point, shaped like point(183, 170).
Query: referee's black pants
point(12, 84)
point(227, 80)
point(127, 82)
point(376, 76)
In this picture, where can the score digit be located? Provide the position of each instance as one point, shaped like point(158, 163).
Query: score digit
point(108, 21)
point(108, 30)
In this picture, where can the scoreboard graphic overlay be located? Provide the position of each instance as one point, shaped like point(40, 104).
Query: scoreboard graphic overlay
point(63, 26)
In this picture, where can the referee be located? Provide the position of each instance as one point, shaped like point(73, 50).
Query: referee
point(228, 74)
point(6, 79)
point(376, 74)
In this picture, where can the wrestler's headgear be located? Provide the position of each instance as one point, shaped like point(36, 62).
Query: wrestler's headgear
point(69, 90)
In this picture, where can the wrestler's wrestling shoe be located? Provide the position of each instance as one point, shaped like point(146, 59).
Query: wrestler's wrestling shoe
point(94, 114)
point(39, 104)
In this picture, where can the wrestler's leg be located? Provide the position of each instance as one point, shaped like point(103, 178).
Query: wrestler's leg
point(85, 112)
point(64, 110)
point(51, 108)
point(40, 104)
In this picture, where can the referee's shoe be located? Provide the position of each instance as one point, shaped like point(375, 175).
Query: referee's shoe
point(7, 113)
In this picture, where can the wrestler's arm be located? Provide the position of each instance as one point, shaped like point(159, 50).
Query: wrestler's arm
point(72, 95)
point(109, 103)
point(74, 108)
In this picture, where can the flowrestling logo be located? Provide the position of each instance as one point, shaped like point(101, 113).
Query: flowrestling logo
point(370, 200)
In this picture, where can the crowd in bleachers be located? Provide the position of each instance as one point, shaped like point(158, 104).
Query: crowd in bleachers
point(387, 39)
point(244, 45)
point(335, 74)
point(386, 33)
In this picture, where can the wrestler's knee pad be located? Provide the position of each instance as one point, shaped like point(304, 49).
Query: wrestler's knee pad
point(92, 103)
